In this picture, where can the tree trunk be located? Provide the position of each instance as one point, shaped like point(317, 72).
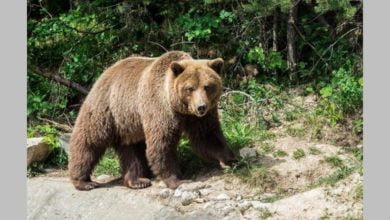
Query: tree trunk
point(61, 80)
point(275, 29)
point(263, 33)
point(291, 36)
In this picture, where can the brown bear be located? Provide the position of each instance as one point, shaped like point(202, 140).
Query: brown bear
point(140, 107)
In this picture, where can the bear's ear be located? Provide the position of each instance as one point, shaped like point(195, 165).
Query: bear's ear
point(216, 65)
point(177, 68)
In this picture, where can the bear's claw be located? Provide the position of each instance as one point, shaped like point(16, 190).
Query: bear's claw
point(139, 183)
point(86, 185)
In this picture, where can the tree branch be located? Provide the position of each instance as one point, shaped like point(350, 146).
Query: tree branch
point(61, 80)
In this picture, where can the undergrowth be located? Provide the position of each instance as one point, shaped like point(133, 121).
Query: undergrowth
point(57, 157)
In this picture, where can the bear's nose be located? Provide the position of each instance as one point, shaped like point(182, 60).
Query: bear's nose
point(202, 108)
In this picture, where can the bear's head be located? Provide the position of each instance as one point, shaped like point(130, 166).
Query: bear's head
point(197, 85)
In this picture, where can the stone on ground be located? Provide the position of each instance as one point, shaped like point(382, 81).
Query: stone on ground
point(37, 150)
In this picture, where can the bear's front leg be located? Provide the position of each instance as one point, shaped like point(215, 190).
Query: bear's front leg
point(161, 142)
point(207, 140)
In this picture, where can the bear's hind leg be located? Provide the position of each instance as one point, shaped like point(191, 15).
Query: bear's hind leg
point(135, 170)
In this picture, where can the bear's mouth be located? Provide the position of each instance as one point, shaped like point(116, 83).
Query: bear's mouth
point(198, 114)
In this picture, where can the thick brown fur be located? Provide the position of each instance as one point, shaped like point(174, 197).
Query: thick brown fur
point(140, 107)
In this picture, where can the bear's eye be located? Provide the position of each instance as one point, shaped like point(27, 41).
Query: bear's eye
point(208, 88)
point(189, 89)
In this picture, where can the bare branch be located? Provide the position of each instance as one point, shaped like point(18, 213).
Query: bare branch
point(61, 80)
point(62, 127)
point(155, 43)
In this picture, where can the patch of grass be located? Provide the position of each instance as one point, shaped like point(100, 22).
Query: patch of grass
point(274, 198)
point(267, 148)
point(293, 114)
point(263, 178)
point(254, 175)
point(326, 215)
point(314, 124)
point(339, 174)
point(265, 213)
point(350, 218)
point(334, 161)
point(109, 164)
point(358, 126)
point(299, 154)
point(275, 119)
point(314, 151)
point(358, 152)
point(359, 192)
point(295, 131)
point(280, 153)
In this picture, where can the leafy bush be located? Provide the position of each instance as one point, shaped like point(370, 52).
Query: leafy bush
point(271, 61)
point(344, 95)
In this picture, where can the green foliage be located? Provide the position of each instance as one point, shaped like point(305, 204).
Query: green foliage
point(344, 95)
point(255, 175)
point(238, 135)
point(358, 127)
point(109, 165)
point(271, 61)
point(267, 148)
point(314, 151)
point(359, 192)
point(299, 154)
point(265, 213)
point(280, 153)
point(341, 173)
point(202, 28)
point(35, 169)
point(343, 7)
point(334, 161)
point(57, 157)
point(78, 41)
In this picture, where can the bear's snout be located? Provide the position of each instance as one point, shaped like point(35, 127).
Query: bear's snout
point(201, 109)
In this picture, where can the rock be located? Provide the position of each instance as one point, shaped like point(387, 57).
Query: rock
point(244, 206)
point(193, 186)
point(165, 193)
point(222, 197)
point(103, 178)
point(247, 152)
point(199, 200)
point(56, 198)
point(227, 209)
point(208, 205)
point(64, 141)
point(187, 198)
point(259, 205)
point(265, 196)
point(205, 192)
point(239, 198)
point(162, 184)
point(37, 150)
point(177, 193)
